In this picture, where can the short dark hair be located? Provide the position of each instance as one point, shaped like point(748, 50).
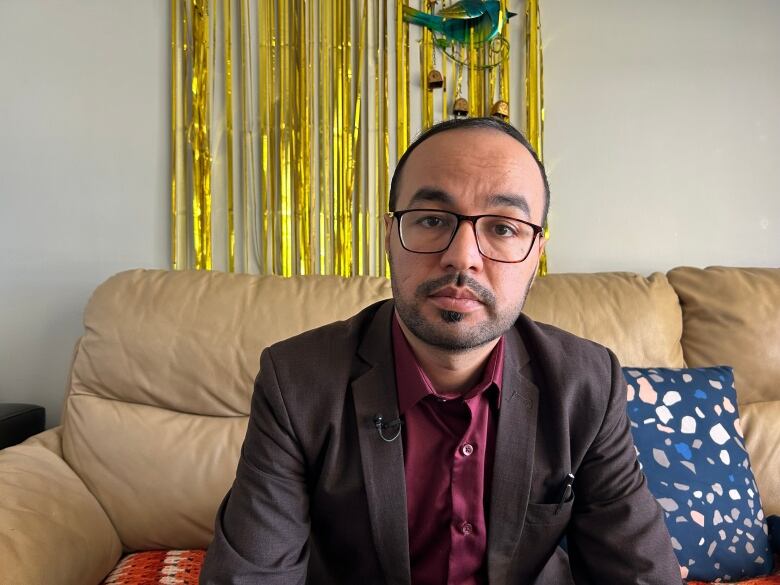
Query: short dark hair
point(490, 123)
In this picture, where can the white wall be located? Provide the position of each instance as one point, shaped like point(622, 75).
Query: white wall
point(662, 133)
point(662, 140)
point(83, 173)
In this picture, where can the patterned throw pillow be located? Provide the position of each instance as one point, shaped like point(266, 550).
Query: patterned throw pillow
point(690, 445)
point(158, 567)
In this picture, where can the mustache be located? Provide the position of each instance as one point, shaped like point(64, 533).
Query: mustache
point(484, 295)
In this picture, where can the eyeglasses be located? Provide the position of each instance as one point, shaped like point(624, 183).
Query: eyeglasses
point(499, 238)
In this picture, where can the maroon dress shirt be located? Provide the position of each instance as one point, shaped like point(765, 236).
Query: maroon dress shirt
point(448, 460)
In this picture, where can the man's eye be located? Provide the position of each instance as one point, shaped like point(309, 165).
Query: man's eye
point(430, 221)
point(504, 230)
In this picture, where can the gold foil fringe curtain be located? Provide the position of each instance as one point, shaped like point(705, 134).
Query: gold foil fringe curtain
point(288, 116)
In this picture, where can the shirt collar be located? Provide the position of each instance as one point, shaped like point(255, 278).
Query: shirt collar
point(413, 384)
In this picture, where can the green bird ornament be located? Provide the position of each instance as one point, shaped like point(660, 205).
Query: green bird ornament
point(481, 19)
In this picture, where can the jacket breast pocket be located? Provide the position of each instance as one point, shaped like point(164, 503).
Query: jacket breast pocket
point(549, 513)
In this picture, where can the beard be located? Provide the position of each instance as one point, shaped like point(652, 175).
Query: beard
point(450, 330)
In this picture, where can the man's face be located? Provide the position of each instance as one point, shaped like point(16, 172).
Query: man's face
point(457, 299)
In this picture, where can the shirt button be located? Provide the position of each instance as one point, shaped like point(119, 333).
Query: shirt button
point(467, 449)
point(466, 528)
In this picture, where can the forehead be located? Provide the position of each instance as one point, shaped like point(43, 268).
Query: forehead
point(472, 165)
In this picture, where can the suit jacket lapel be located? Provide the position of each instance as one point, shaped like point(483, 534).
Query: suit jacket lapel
point(514, 457)
point(374, 392)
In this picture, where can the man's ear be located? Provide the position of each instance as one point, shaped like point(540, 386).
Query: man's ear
point(388, 230)
point(542, 244)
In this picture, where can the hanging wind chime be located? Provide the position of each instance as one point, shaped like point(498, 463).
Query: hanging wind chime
point(470, 33)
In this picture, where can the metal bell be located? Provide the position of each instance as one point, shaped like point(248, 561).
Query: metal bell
point(500, 110)
point(460, 109)
point(435, 80)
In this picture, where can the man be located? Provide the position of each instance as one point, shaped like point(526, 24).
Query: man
point(443, 437)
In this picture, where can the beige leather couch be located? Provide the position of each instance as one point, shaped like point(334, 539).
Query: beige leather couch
point(159, 393)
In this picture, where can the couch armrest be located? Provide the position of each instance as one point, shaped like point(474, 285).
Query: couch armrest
point(51, 440)
point(52, 529)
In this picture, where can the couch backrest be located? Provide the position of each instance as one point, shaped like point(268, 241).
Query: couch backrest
point(162, 378)
point(731, 317)
point(638, 318)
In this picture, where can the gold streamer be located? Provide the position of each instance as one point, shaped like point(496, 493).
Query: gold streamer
point(293, 132)
point(326, 132)
point(534, 94)
point(228, 58)
point(188, 187)
point(338, 153)
point(378, 130)
point(344, 228)
point(426, 59)
point(533, 80)
point(456, 74)
point(481, 75)
point(444, 112)
point(386, 145)
point(339, 158)
point(272, 200)
point(504, 73)
point(174, 99)
point(272, 246)
point(299, 247)
point(473, 109)
point(199, 137)
point(353, 169)
point(461, 56)
point(401, 80)
point(305, 91)
point(491, 75)
point(285, 138)
point(254, 237)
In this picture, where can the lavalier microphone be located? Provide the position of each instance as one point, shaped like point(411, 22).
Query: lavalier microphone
point(381, 426)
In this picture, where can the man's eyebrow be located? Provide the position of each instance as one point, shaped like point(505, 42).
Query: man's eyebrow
point(510, 200)
point(432, 195)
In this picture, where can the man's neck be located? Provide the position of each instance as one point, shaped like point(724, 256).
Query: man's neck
point(450, 372)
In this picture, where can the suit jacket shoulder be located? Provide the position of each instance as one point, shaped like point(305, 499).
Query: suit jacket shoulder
point(325, 351)
point(314, 370)
point(579, 375)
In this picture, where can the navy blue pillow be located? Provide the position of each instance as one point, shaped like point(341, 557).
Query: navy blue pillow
point(690, 445)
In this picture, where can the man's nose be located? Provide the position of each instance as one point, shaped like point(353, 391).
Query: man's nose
point(463, 252)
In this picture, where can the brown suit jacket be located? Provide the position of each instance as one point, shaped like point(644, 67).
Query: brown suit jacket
point(319, 497)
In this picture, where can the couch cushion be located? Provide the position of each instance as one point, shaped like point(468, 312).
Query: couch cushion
point(638, 318)
point(732, 316)
point(159, 474)
point(689, 441)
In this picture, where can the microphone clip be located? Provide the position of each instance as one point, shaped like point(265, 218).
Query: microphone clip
point(381, 426)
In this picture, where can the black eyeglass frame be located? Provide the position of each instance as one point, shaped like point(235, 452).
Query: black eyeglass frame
point(472, 219)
